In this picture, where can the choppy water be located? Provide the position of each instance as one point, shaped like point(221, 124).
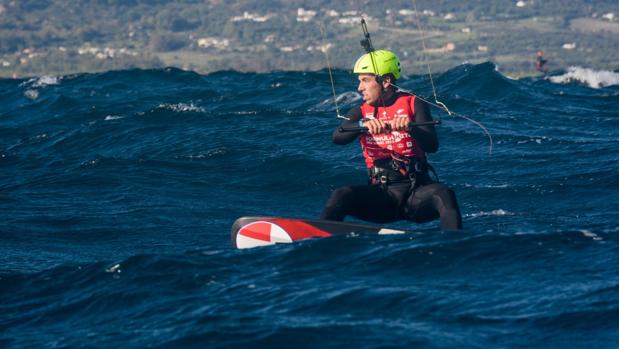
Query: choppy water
point(118, 190)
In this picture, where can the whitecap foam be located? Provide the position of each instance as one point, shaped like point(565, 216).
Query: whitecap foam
point(31, 94)
point(42, 81)
point(113, 117)
point(113, 269)
point(204, 155)
point(41, 136)
point(496, 186)
point(532, 140)
point(499, 212)
point(90, 163)
point(343, 98)
point(590, 77)
point(590, 234)
point(488, 186)
point(182, 107)
point(348, 97)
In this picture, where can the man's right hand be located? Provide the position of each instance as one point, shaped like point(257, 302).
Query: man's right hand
point(376, 126)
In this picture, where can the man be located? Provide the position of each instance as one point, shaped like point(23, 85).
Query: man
point(400, 186)
point(540, 62)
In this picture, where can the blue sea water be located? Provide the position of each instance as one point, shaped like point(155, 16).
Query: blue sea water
point(118, 190)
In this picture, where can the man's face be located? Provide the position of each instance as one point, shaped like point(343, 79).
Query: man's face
point(369, 88)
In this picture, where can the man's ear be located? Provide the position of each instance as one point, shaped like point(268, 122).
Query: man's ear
point(386, 81)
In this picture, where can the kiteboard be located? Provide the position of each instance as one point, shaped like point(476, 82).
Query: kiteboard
point(249, 232)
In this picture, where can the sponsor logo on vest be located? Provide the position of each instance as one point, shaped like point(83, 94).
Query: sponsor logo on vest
point(401, 113)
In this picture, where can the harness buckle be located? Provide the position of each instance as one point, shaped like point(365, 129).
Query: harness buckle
point(383, 179)
point(417, 167)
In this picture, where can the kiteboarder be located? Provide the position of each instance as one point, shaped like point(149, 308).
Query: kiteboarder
point(401, 184)
point(540, 62)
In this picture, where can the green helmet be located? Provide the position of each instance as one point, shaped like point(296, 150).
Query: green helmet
point(386, 62)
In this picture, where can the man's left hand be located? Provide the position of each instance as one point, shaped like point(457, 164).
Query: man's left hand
point(400, 123)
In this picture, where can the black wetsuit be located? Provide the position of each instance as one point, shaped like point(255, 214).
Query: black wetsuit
point(540, 64)
point(422, 201)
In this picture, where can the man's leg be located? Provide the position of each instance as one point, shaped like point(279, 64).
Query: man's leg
point(366, 202)
point(433, 201)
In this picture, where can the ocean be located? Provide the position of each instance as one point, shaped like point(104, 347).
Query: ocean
point(118, 191)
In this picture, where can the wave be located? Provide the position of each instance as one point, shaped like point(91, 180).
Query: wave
point(42, 81)
point(345, 99)
point(118, 190)
point(590, 77)
point(497, 212)
point(113, 117)
point(182, 107)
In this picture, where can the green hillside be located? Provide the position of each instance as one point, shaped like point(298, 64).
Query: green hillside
point(55, 37)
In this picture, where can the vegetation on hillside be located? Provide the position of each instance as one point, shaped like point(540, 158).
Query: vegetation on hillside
point(66, 36)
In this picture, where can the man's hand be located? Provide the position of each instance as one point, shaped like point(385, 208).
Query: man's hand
point(376, 126)
point(401, 123)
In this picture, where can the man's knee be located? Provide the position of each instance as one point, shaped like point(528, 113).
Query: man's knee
point(446, 196)
point(338, 204)
point(341, 194)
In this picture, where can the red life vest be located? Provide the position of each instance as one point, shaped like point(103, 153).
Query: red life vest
point(383, 146)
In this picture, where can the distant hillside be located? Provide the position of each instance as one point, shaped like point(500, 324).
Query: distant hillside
point(67, 36)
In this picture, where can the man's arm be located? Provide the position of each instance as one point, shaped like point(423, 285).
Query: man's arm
point(425, 136)
point(354, 115)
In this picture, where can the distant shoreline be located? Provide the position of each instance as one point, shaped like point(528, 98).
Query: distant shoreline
point(48, 39)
